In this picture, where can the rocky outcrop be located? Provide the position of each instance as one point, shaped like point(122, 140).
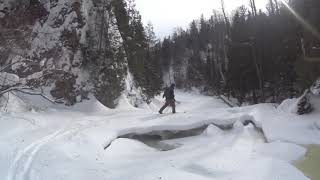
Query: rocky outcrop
point(75, 44)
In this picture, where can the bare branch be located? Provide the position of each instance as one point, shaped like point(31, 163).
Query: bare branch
point(37, 94)
point(13, 63)
point(24, 90)
point(13, 88)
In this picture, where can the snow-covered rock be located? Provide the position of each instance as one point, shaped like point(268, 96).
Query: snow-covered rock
point(288, 105)
point(315, 88)
point(9, 79)
point(300, 106)
point(132, 95)
point(13, 103)
point(212, 131)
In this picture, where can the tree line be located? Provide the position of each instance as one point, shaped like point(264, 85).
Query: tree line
point(254, 56)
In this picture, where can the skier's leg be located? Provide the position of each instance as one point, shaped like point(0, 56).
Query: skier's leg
point(173, 105)
point(164, 107)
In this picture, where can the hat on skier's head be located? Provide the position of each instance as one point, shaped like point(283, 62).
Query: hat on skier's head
point(173, 85)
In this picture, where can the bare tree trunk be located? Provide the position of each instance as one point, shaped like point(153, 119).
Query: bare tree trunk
point(224, 59)
point(253, 7)
point(254, 96)
point(107, 24)
point(26, 90)
point(211, 64)
point(277, 6)
point(258, 70)
point(272, 6)
point(101, 30)
point(224, 44)
point(225, 17)
point(216, 62)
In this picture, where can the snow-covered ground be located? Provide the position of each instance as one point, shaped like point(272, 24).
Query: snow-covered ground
point(82, 142)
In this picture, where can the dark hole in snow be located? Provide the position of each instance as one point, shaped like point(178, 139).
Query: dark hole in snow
point(154, 138)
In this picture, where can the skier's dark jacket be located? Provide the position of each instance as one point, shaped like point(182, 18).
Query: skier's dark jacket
point(169, 93)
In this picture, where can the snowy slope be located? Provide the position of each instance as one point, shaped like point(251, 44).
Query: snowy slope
point(58, 143)
point(282, 125)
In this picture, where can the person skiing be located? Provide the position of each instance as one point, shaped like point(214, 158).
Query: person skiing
point(170, 101)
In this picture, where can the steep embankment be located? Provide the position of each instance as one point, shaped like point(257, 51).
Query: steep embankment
point(68, 48)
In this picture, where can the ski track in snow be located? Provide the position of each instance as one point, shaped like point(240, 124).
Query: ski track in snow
point(20, 168)
point(23, 160)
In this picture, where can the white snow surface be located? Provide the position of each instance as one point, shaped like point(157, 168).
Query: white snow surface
point(8, 79)
point(68, 143)
point(282, 125)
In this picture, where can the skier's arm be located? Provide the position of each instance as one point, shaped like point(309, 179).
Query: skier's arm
point(165, 93)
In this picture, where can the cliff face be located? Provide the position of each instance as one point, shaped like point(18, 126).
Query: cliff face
point(68, 48)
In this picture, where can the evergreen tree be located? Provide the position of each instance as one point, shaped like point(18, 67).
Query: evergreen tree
point(256, 56)
point(137, 44)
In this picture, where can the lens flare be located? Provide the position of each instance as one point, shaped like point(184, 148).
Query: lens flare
point(302, 21)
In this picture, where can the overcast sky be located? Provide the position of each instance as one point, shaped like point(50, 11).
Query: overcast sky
point(166, 15)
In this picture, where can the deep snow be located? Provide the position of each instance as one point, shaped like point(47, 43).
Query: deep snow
point(55, 142)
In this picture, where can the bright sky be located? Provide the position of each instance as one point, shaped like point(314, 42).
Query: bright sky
point(166, 15)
